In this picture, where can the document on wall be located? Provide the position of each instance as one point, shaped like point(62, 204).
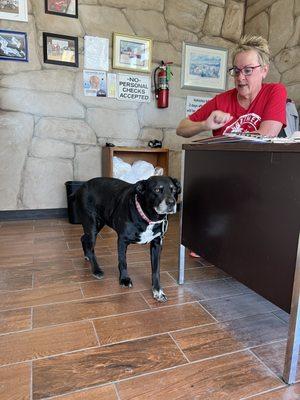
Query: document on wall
point(193, 103)
point(96, 53)
point(94, 83)
point(111, 85)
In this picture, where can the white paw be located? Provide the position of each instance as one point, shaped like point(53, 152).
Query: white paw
point(159, 295)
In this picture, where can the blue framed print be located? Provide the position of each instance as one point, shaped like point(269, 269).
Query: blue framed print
point(13, 46)
point(204, 67)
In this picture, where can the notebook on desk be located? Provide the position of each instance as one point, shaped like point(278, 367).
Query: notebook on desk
point(234, 137)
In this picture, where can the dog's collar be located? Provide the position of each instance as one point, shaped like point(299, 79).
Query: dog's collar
point(143, 215)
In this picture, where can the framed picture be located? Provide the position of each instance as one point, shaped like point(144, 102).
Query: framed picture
point(65, 8)
point(13, 46)
point(15, 10)
point(132, 53)
point(60, 49)
point(204, 67)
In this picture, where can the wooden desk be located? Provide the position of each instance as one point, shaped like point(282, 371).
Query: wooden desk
point(241, 212)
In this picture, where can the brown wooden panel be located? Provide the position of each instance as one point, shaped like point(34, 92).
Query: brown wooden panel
point(58, 375)
point(158, 157)
point(245, 213)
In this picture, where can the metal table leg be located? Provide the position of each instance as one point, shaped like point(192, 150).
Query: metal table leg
point(181, 256)
point(293, 343)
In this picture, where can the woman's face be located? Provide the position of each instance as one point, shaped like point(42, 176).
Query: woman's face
point(94, 81)
point(249, 86)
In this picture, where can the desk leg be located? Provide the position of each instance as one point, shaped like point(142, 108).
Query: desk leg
point(181, 264)
point(292, 348)
point(181, 255)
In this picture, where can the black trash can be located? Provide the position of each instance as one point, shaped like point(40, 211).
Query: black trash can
point(72, 187)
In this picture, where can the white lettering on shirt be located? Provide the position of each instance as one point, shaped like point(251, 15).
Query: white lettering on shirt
point(245, 123)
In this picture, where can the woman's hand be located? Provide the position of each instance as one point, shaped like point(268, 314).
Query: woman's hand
point(217, 119)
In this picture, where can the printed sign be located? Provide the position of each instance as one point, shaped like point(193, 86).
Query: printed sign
point(193, 103)
point(94, 83)
point(134, 88)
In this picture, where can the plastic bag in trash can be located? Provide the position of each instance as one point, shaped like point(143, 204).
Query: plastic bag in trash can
point(120, 167)
point(142, 169)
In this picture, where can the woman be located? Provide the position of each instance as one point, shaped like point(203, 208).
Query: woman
point(253, 106)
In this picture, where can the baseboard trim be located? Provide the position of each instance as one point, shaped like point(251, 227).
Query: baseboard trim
point(48, 213)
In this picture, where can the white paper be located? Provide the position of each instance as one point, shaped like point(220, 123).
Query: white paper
point(96, 53)
point(193, 103)
point(94, 83)
point(133, 87)
point(111, 85)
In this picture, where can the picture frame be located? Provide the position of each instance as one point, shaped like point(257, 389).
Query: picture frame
point(14, 10)
point(13, 46)
point(204, 67)
point(60, 49)
point(132, 53)
point(64, 8)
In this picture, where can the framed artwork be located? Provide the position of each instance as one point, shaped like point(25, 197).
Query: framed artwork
point(60, 49)
point(204, 67)
point(65, 8)
point(15, 10)
point(132, 53)
point(13, 46)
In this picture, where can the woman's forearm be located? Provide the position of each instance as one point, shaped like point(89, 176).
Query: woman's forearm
point(188, 128)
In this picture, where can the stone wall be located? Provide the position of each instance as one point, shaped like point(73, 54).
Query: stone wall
point(279, 22)
point(51, 133)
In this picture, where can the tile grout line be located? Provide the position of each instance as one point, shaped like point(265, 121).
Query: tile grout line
point(179, 348)
point(263, 392)
point(96, 334)
point(204, 309)
point(146, 301)
point(116, 390)
point(31, 381)
point(265, 365)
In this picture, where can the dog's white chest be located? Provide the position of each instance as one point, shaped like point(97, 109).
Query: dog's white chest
point(148, 235)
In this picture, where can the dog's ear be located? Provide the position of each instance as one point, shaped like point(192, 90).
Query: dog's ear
point(139, 187)
point(177, 185)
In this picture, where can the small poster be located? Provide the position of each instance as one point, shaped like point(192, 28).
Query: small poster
point(112, 85)
point(193, 103)
point(94, 83)
point(134, 87)
point(96, 53)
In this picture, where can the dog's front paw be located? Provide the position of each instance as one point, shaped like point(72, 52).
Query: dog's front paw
point(159, 295)
point(98, 275)
point(126, 282)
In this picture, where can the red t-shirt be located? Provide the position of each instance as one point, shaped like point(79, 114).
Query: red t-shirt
point(269, 104)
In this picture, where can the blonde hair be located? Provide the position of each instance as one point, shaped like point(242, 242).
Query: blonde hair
point(257, 43)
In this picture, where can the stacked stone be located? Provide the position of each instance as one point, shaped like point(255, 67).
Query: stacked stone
point(52, 133)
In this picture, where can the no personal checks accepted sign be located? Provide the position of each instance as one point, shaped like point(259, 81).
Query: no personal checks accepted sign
point(134, 87)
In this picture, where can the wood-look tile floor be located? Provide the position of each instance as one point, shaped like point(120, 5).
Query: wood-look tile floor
point(65, 335)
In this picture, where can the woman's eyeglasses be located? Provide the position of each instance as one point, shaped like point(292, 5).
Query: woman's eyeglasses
point(246, 71)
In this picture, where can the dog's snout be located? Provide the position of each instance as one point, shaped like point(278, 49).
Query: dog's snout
point(170, 201)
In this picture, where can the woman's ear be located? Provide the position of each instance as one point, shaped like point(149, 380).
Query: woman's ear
point(265, 70)
point(177, 185)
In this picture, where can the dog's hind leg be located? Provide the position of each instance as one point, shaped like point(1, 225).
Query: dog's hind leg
point(124, 279)
point(155, 250)
point(88, 241)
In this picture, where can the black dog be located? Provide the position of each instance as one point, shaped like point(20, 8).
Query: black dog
point(137, 212)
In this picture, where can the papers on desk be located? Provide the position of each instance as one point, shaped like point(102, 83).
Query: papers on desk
point(233, 137)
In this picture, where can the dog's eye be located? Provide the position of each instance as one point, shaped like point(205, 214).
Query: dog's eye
point(157, 190)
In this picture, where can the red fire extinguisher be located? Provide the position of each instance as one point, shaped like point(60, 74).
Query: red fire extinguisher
point(162, 75)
